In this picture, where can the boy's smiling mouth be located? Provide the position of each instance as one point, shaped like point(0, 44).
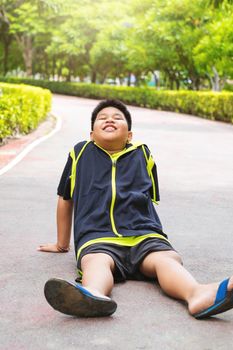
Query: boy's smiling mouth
point(109, 128)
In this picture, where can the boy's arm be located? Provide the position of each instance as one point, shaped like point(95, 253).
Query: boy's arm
point(64, 224)
point(152, 171)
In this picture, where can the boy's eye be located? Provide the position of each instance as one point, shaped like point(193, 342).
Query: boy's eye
point(115, 117)
point(118, 117)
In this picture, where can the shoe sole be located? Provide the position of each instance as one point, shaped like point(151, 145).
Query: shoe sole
point(67, 299)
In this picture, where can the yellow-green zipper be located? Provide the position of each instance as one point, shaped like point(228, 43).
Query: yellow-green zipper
point(113, 197)
point(114, 160)
point(113, 191)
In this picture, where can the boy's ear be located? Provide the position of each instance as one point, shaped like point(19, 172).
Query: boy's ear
point(91, 136)
point(130, 136)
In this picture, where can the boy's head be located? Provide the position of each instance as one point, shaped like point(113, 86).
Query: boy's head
point(111, 125)
point(111, 103)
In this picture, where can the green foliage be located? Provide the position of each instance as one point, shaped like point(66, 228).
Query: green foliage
point(188, 42)
point(228, 87)
point(215, 48)
point(209, 105)
point(22, 108)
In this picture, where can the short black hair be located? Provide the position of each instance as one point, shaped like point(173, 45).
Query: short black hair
point(111, 103)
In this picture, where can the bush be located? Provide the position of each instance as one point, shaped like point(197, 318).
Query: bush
point(22, 108)
point(228, 87)
point(205, 104)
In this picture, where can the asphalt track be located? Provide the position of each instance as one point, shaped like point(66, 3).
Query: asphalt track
point(194, 159)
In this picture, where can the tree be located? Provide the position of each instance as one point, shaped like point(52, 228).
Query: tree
point(214, 52)
point(109, 39)
point(108, 56)
point(27, 24)
point(170, 35)
point(5, 36)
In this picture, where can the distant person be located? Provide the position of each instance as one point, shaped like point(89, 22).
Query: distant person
point(110, 185)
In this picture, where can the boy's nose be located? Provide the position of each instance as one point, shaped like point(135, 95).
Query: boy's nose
point(110, 120)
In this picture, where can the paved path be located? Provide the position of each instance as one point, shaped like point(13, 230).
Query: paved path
point(14, 149)
point(194, 158)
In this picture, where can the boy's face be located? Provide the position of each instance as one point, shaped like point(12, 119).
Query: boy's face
point(110, 129)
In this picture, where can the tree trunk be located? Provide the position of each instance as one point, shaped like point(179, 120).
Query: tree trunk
point(211, 81)
point(165, 80)
point(102, 78)
point(177, 84)
point(25, 42)
point(137, 80)
point(28, 55)
point(171, 81)
point(68, 77)
point(6, 38)
point(121, 81)
point(53, 67)
point(195, 82)
point(156, 80)
point(129, 80)
point(216, 80)
point(93, 77)
point(222, 82)
point(59, 76)
point(46, 66)
point(5, 56)
point(70, 69)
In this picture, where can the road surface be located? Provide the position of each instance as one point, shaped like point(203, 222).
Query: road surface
point(195, 166)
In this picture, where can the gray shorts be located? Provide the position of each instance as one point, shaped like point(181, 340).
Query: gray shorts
point(127, 259)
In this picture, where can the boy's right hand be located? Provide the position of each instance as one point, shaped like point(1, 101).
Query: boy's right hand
point(52, 248)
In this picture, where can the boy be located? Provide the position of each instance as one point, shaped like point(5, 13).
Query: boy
point(110, 184)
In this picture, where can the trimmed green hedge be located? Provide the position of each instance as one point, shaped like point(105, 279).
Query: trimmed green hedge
point(22, 108)
point(205, 104)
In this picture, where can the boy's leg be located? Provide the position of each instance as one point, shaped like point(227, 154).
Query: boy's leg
point(88, 299)
point(177, 282)
point(98, 271)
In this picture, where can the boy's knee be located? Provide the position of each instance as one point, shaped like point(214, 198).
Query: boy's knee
point(155, 257)
point(170, 254)
point(176, 256)
point(97, 259)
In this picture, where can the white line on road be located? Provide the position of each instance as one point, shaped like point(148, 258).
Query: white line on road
point(35, 143)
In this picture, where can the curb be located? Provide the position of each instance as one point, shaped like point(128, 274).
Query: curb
point(16, 149)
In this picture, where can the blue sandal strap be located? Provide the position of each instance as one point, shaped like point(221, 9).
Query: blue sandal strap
point(222, 291)
point(84, 290)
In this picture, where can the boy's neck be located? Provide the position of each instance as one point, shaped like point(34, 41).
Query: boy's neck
point(111, 150)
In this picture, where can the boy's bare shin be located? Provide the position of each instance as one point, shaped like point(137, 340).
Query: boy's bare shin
point(173, 278)
point(97, 271)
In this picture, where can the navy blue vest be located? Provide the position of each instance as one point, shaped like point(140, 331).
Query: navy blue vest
point(114, 197)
